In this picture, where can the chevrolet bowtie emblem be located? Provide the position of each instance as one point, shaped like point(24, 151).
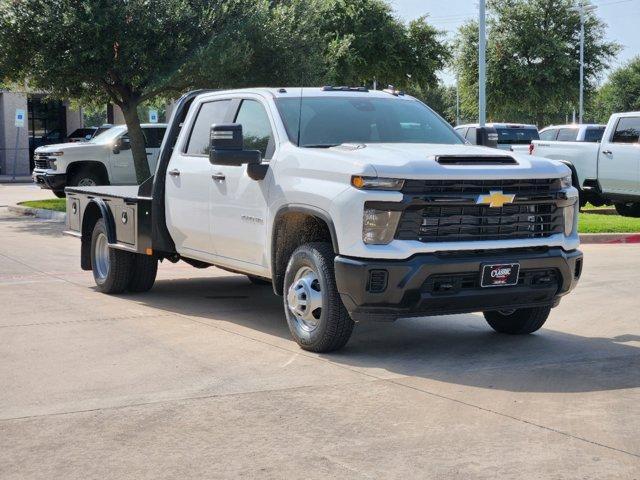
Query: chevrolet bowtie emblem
point(495, 199)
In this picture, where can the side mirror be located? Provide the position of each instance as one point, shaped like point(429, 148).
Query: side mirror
point(227, 146)
point(487, 136)
point(121, 144)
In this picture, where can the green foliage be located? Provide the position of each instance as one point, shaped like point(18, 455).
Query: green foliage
point(131, 52)
point(532, 60)
point(55, 204)
point(621, 92)
point(597, 223)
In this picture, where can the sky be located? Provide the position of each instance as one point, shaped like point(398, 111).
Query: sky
point(621, 16)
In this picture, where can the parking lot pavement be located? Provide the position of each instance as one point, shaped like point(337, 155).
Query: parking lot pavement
point(199, 379)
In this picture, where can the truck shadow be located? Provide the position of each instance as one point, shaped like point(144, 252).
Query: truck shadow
point(457, 349)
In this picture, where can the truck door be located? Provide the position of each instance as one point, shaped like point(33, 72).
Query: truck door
point(619, 157)
point(122, 171)
point(189, 182)
point(238, 203)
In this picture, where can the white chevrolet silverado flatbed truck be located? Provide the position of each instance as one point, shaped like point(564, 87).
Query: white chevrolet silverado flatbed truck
point(356, 205)
point(605, 172)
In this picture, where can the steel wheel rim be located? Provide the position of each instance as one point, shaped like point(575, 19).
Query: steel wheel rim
point(101, 257)
point(304, 299)
point(87, 182)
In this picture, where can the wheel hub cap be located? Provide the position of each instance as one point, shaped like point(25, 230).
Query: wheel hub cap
point(101, 256)
point(87, 182)
point(304, 298)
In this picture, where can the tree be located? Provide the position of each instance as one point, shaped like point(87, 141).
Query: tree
point(621, 92)
point(123, 51)
point(131, 52)
point(532, 60)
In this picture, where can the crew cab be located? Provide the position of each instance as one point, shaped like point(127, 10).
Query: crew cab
point(605, 172)
point(515, 137)
point(591, 132)
point(105, 159)
point(355, 205)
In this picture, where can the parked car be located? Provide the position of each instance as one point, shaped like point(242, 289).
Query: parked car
point(356, 205)
point(106, 159)
point(572, 133)
point(605, 172)
point(515, 137)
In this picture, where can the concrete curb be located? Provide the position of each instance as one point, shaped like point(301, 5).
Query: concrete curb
point(38, 213)
point(609, 238)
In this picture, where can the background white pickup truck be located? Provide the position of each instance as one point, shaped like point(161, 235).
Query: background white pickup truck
point(587, 132)
point(104, 160)
point(606, 172)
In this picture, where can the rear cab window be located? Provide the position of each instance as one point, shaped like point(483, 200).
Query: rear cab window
point(516, 135)
point(567, 135)
point(208, 114)
point(549, 135)
point(593, 134)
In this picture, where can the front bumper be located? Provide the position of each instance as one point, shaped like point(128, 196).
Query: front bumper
point(449, 282)
point(52, 181)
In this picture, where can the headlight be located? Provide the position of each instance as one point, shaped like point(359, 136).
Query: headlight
point(379, 226)
point(565, 182)
point(376, 183)
point(569, 217)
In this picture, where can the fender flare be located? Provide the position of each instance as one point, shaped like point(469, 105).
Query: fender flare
point(108, 218)
point(314, 212)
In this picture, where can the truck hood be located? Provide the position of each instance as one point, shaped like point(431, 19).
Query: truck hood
point(65, 147)
point(418, 161)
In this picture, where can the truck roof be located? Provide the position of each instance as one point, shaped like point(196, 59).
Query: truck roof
point(499, 125)
point(575, 125)
point(307, 92)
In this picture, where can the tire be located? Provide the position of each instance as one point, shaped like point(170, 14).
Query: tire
point(628, 209)
point(144, 269)
point(59, 193)
point(111, 267)
point(310, 274)
point(258, 280)
point(86, 177)
point(520, 322)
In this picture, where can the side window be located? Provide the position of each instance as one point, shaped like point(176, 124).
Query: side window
point(627, 130)
point(256, 128)
point(567, 134)
point(209, 113)
point(471, 135)
point(593, 134)
point(549, 135)
point(153, 137)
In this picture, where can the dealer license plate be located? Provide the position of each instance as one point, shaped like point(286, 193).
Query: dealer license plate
point(500, 275)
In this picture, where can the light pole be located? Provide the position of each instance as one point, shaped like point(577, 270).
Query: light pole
point(482, 73)
point(583, 8)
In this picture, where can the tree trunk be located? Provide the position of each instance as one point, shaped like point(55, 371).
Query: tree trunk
point(130, 112)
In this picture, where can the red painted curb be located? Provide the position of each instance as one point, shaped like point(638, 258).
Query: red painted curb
point(627, 239)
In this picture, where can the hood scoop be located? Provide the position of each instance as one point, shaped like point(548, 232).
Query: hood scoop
point(476, 160)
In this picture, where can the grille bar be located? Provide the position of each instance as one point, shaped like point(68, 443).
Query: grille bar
point(458, 219)
point(535, 185)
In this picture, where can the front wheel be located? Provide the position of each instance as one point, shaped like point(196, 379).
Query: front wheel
point(315, 314)
point(628, 209)
point(518, 322)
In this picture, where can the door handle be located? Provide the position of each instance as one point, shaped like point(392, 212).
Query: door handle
point(218, 176)
point(149, 154)
point(607, 152)
point(174, 173)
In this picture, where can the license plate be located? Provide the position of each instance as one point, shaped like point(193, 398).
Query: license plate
point(500, 274)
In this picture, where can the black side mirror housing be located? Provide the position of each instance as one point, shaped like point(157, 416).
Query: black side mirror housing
point(121, 144)
point(227, 146)
point(487, 136)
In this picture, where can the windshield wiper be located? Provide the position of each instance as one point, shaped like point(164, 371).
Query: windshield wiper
point(321, 145)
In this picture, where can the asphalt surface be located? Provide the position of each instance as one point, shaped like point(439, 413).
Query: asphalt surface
point(199, 378)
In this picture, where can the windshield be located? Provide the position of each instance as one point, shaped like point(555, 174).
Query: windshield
point(517, 136)
point(109, 135)
point(330, 121)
